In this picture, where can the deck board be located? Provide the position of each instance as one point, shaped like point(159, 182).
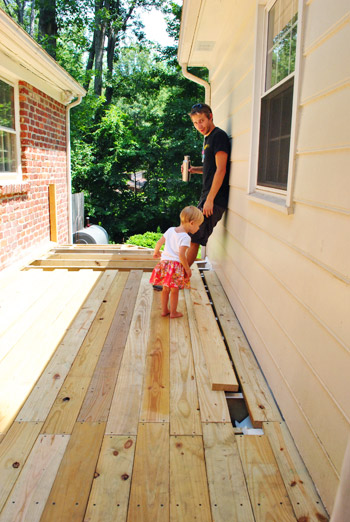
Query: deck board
point(119, 421)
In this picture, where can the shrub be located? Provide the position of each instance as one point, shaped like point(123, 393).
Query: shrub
point(148, 239)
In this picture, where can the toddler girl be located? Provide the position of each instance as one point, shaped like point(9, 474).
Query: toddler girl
point(173, 271)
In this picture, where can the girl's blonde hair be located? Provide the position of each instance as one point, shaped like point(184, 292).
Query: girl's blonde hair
point(191, 213)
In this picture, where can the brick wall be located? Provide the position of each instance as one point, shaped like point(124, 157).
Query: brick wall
point(24, 208)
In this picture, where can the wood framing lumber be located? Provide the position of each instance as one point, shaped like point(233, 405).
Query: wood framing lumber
point(258, 397)
point(219, 366)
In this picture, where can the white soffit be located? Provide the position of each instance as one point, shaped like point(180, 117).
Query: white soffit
point(201, 29)
point(24, 59)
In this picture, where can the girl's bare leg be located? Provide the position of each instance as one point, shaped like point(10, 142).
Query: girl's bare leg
point(174, 299)
point(165, 300)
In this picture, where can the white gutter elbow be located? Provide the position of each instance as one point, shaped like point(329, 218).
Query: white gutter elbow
point(195, 79)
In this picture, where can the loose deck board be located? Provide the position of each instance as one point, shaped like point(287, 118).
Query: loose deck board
point(213, 404)
point(228, 490)
point(184, 405)
point(268, 495)
point(70, 491)
point(109, 497)
point(259, 400)
point(219, 365)
point(125, 407)
point(149, 497)
point(189, 495)
point(28, 498)
point(94, 264)
point(155, 402)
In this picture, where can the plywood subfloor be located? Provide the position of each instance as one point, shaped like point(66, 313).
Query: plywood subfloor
point(108, 412)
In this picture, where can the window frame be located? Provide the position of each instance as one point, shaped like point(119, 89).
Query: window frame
point(15, 176)
point(280, 199)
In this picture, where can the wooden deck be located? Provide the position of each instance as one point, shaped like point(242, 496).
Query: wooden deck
point(109, 412)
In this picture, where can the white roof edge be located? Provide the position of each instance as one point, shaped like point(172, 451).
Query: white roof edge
point(23, 49)
point(189, 19)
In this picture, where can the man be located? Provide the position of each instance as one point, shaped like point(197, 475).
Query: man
point(215, 169)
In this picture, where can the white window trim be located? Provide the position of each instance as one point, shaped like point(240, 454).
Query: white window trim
point(7, 178)
point(277, 199)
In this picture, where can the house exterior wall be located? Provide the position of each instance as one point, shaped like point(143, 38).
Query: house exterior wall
point(24, 207)
point(287, 276)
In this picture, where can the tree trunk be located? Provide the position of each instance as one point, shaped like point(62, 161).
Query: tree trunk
point(48, 25)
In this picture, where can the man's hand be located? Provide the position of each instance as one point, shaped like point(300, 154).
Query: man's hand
point(208, 207)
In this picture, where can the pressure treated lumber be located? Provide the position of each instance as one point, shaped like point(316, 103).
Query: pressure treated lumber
point(98, 398)
point(184, 406)
point(189, 496)
point(218, 362)
point(149, 497)
point(70, 491)
point(28, 498)
point(258, 397)
point(43, 395)
point(304, 498)
point(94, 264)
point(109, 497)
point(125, 407)
point(66, 407)
point(132, 255)
point(14, 450)
point(155, 402)
point(268, 495)
point(213, 404)
point(21, 368)
point(228, 491)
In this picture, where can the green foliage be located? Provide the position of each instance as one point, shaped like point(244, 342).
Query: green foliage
point(148, 239)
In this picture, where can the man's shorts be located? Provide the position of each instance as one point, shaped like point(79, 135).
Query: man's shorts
point(205, 230)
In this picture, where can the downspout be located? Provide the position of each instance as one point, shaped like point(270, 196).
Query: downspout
point(207, 100)
point(195, 79)
point(69, 171)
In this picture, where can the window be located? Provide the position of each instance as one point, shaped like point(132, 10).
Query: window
point(275, 94)
point(8, 134)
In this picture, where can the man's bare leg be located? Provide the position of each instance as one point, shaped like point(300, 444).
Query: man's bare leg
point(192, 253)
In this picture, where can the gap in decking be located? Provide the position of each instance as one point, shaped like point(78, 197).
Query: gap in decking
point(235, 401)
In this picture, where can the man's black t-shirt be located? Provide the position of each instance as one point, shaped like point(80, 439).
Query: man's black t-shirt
point(215, 142)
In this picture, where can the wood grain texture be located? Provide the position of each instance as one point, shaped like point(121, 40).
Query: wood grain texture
point(43, 395)
point(66, 407)
point(100, 393)
point(28, 498)
point(218, 362)
point(155, 402)
point(189, 495)
point(184, 405)
point(71, 488)
point(228, 490)
point(109, 497)
point(305, 500)
point(258, 397)
point(213, 404)
point(267, 492)
point(14, 450)
point(149, 497)
point(125, 407)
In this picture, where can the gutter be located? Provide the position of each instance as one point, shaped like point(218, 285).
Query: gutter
point(69, 170)
point(195, 79)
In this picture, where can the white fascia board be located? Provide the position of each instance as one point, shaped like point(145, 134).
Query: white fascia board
point(22, 57)
point(189, 20)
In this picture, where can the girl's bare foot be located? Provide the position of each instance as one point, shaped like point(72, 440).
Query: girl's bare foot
point(164, 314)
point(176, 314)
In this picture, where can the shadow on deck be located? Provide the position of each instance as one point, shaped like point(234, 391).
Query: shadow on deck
point(109, 412)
